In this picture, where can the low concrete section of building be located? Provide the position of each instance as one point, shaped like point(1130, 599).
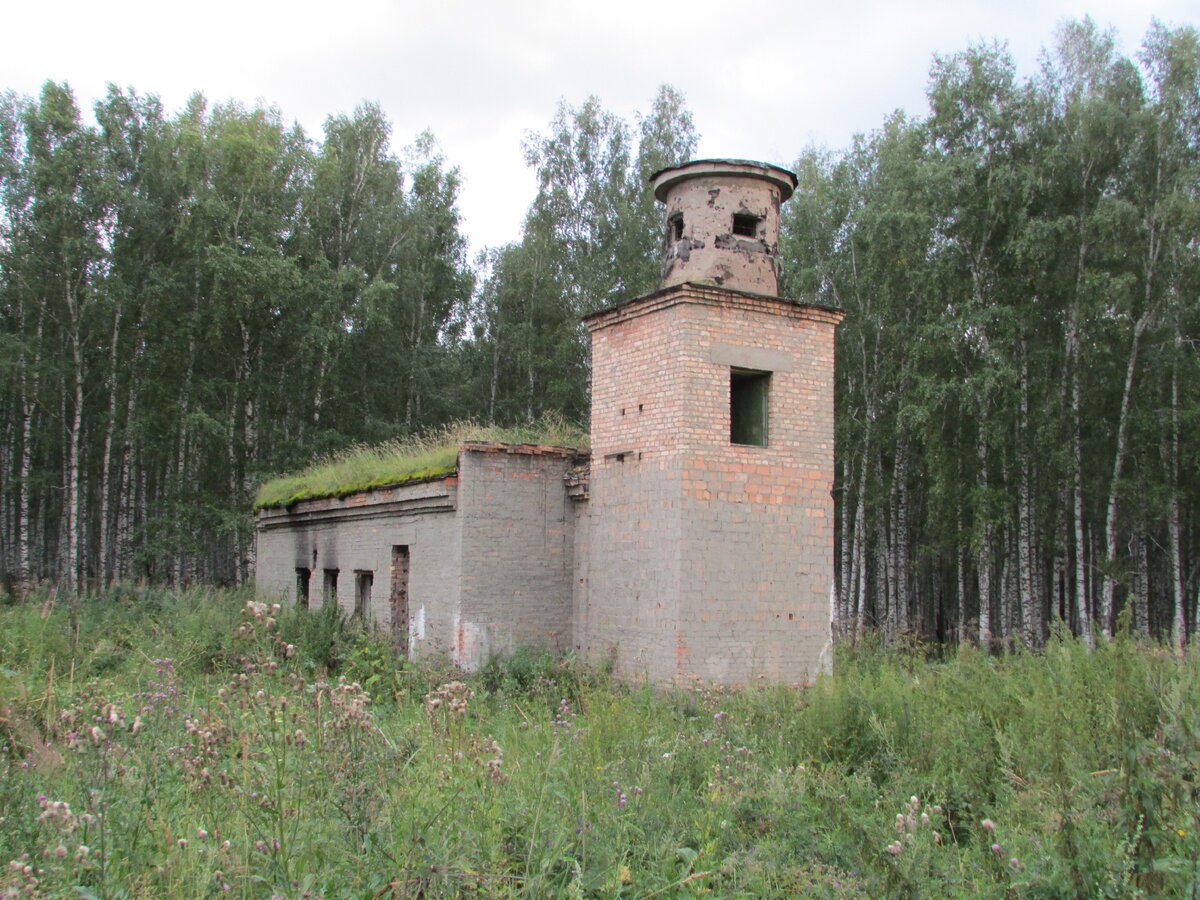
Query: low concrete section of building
point(517, 536)
point(469, 565)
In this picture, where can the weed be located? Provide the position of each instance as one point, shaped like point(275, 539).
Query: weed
point(196, 743)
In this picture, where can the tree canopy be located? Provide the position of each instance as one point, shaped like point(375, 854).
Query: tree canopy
point(192, 302)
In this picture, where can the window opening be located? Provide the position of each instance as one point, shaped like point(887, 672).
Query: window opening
point(362, 592)
point(329, 586)
point(675, 228)
point(745, 225)
point(303, 576)
point(749, 395)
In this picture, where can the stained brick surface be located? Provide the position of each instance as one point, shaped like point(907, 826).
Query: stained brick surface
point(706, 558)
point(516, 551)
point(489, 552)
point(675, 553)
point(358, 533)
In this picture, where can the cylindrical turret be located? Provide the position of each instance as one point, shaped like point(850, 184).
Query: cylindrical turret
point(722, 224)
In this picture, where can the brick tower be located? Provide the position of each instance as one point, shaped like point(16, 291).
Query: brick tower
point(707, 548)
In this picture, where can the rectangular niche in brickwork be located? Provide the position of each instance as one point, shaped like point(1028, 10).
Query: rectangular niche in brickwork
point(749, 401)
point(303, 576)
point(362, 592)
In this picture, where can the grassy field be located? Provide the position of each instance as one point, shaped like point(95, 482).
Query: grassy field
point(190, 745)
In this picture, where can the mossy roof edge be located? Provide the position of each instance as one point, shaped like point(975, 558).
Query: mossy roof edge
point(355, 487)
point(337, 490)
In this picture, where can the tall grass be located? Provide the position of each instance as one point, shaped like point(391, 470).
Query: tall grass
point(199, 743)
point(432, 454)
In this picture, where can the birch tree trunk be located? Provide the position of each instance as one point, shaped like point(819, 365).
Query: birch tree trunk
point(104, 570)
point(845, 552)
point(1149, 265)
point(250, 425)
point(1030, 601)
point(122, 538)
point(1009, 596)
point(1139, 553)
point(29, 386)
point(74, 442)
point(412, 404)
point(232, 462)
point(1108, 598)
point(182, 467)
point(860, 552)
point(495, 379)
point(899, 554)
point(1072, 363)
point(962, 580)
point(8, 557)
point(984, 552)
point(1178, 587)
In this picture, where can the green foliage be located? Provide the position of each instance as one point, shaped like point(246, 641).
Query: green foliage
point(433, 454)
point(359, 469)
point(250, 738)
point(230, 294)
point(590, 238)
point(1011, 367)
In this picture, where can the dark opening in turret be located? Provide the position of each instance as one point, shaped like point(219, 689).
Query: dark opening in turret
point(745, 225)
point(675, 228)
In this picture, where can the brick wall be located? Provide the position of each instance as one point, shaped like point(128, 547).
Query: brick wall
point(490, 553)
point(517, 549)
point(707, 558)
point(692, 555)
point(357, 533)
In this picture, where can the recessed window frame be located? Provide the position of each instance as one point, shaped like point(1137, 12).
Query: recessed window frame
point(674, 228)
point(329, 585)
point(303, 585)
point(746, 225)
point(364, 581)
point(749, 407)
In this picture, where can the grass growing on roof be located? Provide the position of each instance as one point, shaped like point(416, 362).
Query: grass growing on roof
point(433, 454)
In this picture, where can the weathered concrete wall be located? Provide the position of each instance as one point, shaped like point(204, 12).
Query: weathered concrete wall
point(703, 244)
point(357, 533)
point(517, 550)
point(708, 558)
point(490, 553)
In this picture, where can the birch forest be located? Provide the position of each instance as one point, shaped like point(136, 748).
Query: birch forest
point(1018, 382)
point(193, 301)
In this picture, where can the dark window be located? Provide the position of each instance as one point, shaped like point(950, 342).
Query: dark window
point(303, 576)
point(745, 225)
point(749, 396)
point(675, 228)
point(329, 586)
point(362, 592)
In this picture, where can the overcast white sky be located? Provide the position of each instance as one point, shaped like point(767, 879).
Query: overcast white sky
point(763, 79)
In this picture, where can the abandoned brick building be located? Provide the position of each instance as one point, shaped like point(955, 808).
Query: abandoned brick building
point(696, 538)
